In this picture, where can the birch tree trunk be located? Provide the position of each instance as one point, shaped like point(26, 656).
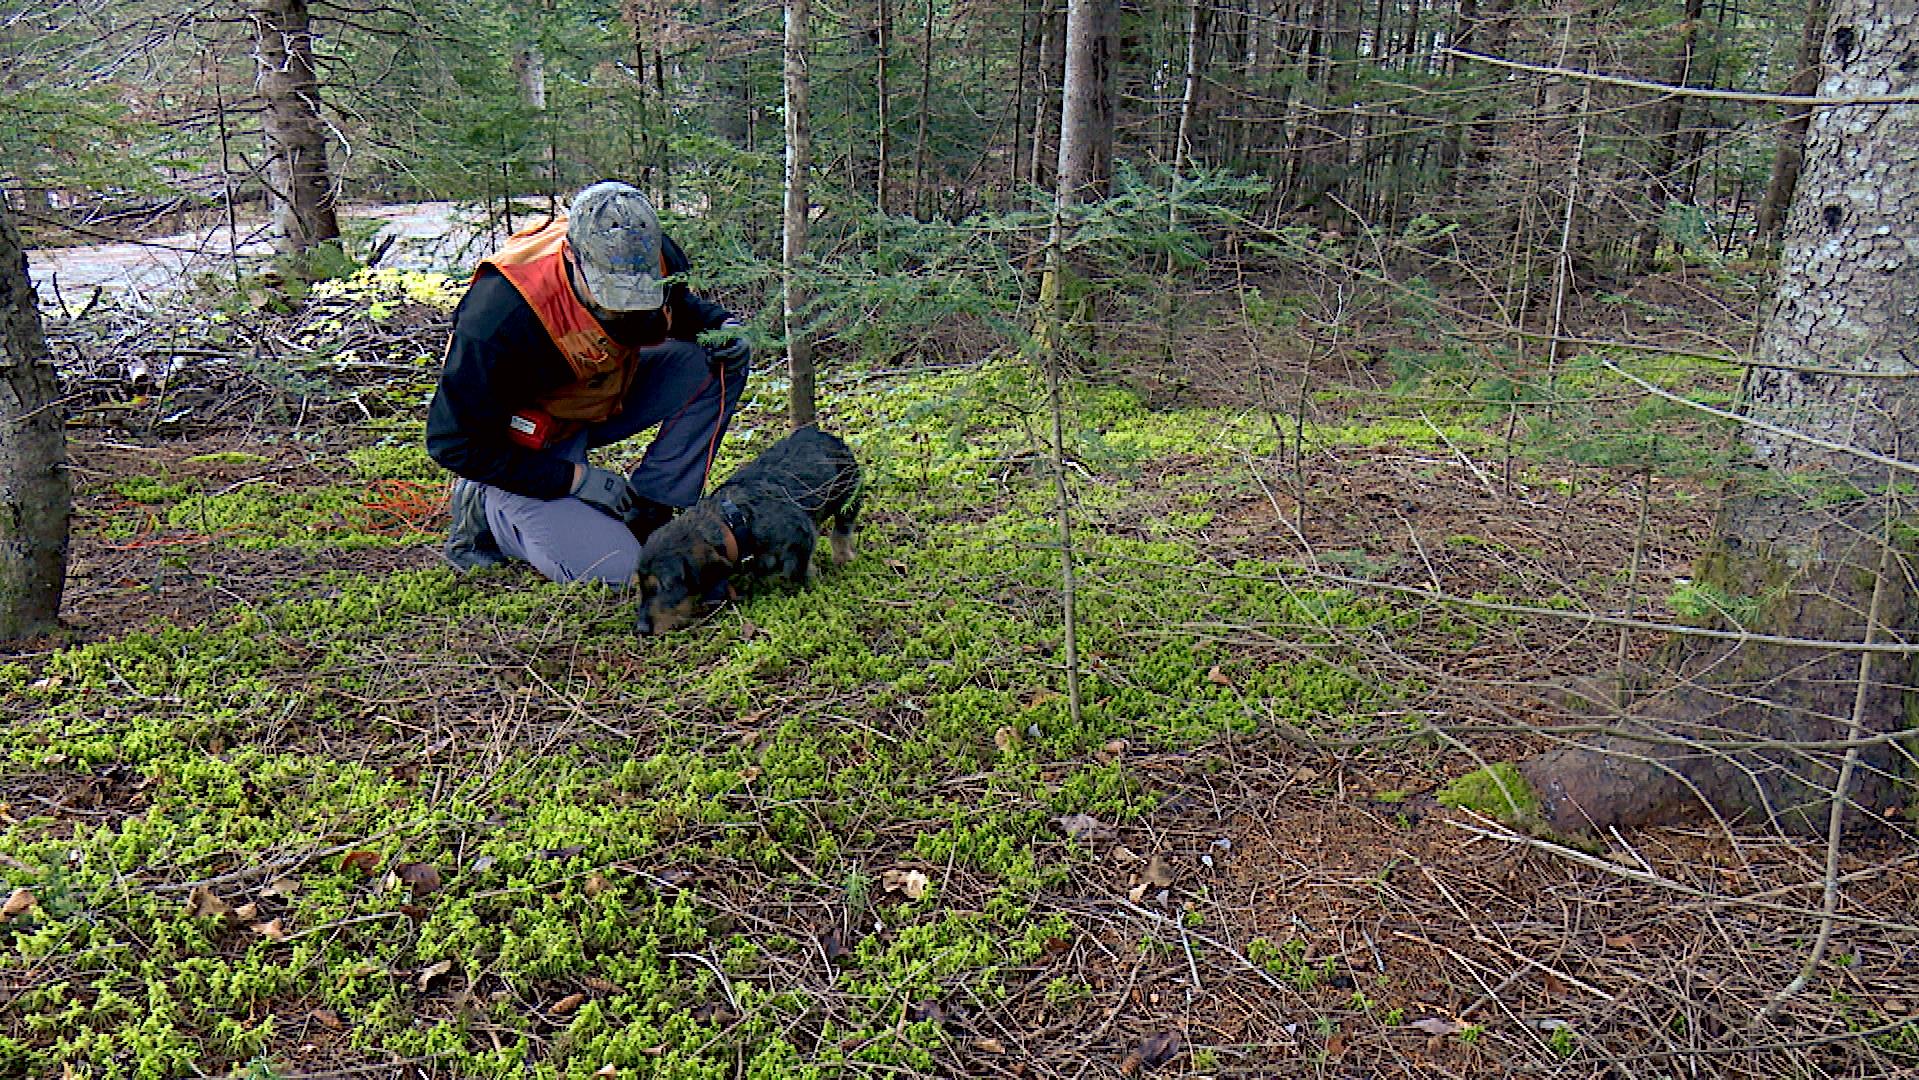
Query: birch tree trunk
point(801, 405)
point(34, 495)
point(298, 184)
point(1813, 541)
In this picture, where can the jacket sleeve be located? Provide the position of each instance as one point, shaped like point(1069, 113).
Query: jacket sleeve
point(693, 315)
point(498, 360)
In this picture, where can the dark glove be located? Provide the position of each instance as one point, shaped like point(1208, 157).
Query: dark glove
point(731, 354)
point(604, 490)
point(643, 516)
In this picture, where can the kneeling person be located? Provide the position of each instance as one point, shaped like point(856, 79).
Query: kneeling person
point(568, 339)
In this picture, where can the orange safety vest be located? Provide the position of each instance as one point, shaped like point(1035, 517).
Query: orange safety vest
point(534, 261)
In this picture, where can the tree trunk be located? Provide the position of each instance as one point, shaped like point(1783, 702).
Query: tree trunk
point(885, 94)
point(297, 180)
point(530, 65)
point(1086, 102)
point(1666, 141)
point(729, 98)
point(1811, 542)
point(1189, 97)
point(1791, 154)
point(1052, 67)
point(923, 202)
point(34, 495)
point(1013, 174)
point(802, 408)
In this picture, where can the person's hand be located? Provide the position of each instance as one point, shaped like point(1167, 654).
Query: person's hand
point(731, 353)
point(603, 489)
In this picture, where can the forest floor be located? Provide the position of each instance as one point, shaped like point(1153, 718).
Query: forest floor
point(291, 799)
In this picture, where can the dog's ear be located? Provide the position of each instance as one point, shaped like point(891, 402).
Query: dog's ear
point(710, 554)
point(710, 548)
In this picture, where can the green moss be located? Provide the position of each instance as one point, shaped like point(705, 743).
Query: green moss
point(152, 490)
point(1497, 791)
point(795, 746)
point(225, 457)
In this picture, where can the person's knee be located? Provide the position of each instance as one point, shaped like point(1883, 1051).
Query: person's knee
point(609, 558)
point(613, 567)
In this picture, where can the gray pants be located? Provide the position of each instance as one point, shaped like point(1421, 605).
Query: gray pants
point(569, 540)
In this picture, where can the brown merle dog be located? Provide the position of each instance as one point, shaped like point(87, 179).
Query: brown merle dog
point(764, 520)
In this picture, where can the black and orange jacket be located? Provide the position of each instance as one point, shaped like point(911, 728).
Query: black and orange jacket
point(521, 338)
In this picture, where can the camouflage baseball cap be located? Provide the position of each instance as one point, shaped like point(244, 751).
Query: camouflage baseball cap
point(616, 237)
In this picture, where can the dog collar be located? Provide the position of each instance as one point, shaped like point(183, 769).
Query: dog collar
point(733, 524)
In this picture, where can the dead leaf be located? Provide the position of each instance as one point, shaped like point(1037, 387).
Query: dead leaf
point(280, 886)
point(422, 878)
point(750, 773)
point(201, 903)
point(611, 1072)
point(1136, 893)
point(989, 1046)
point(1622, 941)
point(1436, 1026)
point(749, 629)
point(925, 1010)
point(1153, 1050)
point(272, 930)
point(1219, 678)
point(247, 912)
point(566, 852)
point(1042, 696)
point(567, 1004)
point(712, 1012)
point(327, 1019)
point(363, 863)
point(1085, 828)
point(19, 902)
point(1005, 738)
point(413, 911)
point(1056, 945)
point(596, 883)
point(431, 972)
point(1158, 874)
point(1336, 1045)
point(911, 882)
point(1124, 855)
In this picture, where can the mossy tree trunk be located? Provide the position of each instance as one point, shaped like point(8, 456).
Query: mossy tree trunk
point(34, 494)
point(1802, 542)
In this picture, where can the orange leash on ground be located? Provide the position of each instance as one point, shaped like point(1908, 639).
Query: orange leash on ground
point(719, 424)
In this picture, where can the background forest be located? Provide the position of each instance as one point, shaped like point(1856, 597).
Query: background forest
point(1321, 611)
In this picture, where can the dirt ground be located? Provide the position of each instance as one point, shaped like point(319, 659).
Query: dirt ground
point(1431, 942)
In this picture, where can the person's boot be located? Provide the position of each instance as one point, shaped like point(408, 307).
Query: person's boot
point(469, 543)
point(643, 516)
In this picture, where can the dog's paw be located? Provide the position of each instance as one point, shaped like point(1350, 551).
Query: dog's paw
point(843, 551)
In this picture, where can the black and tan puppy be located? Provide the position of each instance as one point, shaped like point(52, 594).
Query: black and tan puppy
point(763, 520)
